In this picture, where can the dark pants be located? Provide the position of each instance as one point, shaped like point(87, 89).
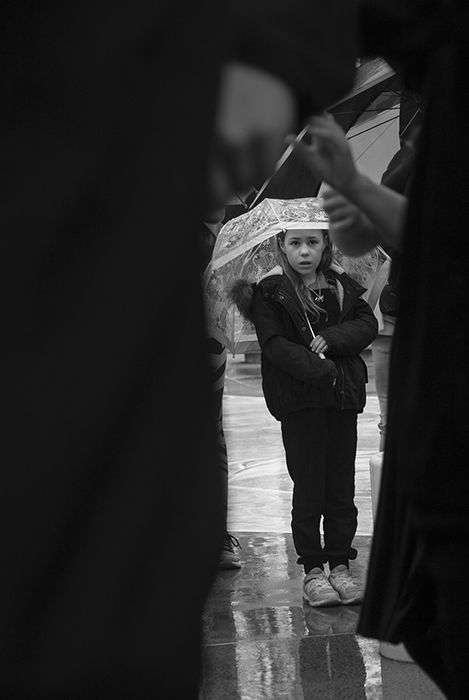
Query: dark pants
point(320, 446)
point(443, 651)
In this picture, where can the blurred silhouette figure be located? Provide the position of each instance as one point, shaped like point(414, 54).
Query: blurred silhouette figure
point(110, 505)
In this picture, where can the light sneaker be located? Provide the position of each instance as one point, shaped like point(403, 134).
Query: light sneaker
point(317, 591)
point(341, 581)
point(228, 558)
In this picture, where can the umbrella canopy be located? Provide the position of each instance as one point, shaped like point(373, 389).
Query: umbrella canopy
point(362, 269)
point(246, 248)
point(375, 115)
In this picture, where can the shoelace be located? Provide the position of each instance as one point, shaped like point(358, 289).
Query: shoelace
point(231, 541)
point(343, 578)
point(319, 582)
point(322, 584)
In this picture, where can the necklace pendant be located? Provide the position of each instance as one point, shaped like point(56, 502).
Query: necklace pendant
point(319, 297)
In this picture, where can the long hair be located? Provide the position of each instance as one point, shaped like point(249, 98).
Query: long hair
point(303, 293)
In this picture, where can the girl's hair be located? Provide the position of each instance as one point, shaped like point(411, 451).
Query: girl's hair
point(302, 291)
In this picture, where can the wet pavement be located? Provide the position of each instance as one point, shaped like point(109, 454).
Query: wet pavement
point(260, 640)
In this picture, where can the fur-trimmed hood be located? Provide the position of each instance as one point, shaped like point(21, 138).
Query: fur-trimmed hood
point(242, 292)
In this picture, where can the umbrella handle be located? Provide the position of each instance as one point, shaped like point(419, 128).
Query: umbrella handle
point(320, 354)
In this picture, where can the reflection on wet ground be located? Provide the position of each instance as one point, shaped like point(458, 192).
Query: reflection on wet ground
point(263, 642)
point(260, 640)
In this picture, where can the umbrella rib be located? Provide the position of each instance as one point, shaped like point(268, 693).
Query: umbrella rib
point(418, 110)
point(383, 252)
point(363, 111)
point(279, 164)
point(375, 126)
point(238, 196)
point(379, 135)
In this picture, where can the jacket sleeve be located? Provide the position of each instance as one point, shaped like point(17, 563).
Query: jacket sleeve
point(294, 359)
point(353, 336)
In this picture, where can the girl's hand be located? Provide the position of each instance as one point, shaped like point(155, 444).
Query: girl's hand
point(318, 345)
point(328, 157)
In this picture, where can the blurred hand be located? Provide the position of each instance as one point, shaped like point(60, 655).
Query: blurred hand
point(256, 110)
point(328, 156)
point(343, 215)
point(253, 103)
point(318, 345)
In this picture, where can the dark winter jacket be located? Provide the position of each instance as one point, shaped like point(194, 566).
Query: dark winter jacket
point(294, 377)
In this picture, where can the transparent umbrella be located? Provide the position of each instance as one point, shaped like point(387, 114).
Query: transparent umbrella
point(246, 248)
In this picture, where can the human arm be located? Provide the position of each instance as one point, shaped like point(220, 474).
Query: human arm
point(293, 358)
point(349, 228)
point(299, 362)
point(384, 212)
point(329, 158)
point(353, 336)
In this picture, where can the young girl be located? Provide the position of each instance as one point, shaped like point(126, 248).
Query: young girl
point(311, 325)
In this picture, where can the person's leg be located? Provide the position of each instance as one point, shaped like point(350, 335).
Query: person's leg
point(217, 356)
point(381, 353)
point(304, 436)
point(340, 512)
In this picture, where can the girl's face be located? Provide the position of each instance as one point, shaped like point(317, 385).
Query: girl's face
point(304, 249)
